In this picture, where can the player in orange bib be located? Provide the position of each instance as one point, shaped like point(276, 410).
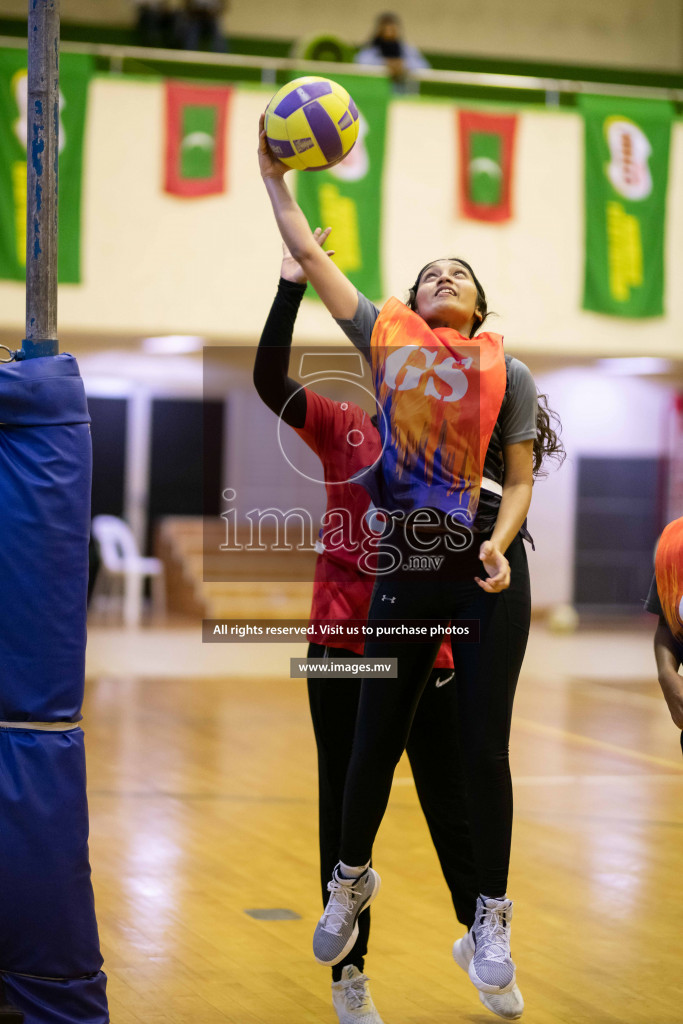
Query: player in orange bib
point(459, 422)
point(666, 600)
point(346, 440)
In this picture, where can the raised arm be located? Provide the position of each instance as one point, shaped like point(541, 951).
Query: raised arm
point(275, 387)
point(333, 287)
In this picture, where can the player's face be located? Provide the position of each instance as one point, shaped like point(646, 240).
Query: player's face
point(447, 296)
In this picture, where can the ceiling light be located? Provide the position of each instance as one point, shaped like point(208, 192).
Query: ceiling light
point(636, 366)
point(172, 344)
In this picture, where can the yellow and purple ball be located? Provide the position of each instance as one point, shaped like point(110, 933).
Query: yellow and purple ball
point(311, 123)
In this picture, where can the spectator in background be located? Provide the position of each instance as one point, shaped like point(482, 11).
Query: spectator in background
point(388, 47)
point(200, 23)
point(153, 21)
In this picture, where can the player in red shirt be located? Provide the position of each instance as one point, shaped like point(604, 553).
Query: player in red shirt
point(342, 592)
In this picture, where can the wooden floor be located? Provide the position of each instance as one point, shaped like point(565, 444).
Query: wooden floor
point(202, 792)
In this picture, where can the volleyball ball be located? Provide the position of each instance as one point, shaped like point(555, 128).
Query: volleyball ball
point(311, 123)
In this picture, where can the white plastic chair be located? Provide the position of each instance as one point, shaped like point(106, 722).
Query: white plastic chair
point(123, 569)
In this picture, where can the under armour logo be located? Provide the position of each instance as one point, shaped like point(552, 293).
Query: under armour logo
point(385, 598)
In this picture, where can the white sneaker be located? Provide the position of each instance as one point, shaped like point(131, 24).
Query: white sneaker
point(508, 1005)
point(337, 930)
point(352, 1000)
point(491, 968)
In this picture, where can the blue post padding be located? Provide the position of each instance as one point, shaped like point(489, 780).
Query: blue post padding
point(47, 909)
point(45, 480)
point(80, 1001)
point(42, 392)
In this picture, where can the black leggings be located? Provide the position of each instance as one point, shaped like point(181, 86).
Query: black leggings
point(486, 676)
point(434, 757)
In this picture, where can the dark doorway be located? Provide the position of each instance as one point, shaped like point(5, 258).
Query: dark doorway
point(618, 520)
point(108, 429)
point(186, 458)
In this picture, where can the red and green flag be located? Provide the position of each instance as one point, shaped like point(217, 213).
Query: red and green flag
point(75, 72)
point(627, 145)
point(348, 197)
point(486, 149)
point(196, 130)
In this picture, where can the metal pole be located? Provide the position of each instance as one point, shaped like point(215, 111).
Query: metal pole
point(42, 161)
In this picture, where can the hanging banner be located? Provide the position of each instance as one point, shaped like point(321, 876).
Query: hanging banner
point(486, 151)
point(348, 197)
point(626, 174)
point(196, 129)
point(75, 72)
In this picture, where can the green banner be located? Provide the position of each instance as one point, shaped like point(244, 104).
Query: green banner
point(348, 197)
point(198, 161)
point(486, 189)
point(626, 174)
point(74, 74)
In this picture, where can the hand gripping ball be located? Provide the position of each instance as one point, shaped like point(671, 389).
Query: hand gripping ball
point(311, 123)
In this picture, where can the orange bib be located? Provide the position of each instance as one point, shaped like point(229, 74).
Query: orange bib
point(669, 576)
point(439, 395)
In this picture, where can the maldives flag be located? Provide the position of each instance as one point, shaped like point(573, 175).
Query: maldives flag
point(196, 119)
point(486, 155)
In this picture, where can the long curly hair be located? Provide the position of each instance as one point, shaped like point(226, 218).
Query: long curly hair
point(548, 444)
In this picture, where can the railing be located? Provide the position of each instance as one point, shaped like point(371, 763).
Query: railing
point(553, 88)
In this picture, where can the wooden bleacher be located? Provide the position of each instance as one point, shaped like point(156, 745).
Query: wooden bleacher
point(204, 582)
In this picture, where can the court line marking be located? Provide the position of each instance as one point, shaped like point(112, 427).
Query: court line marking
point(601, 690)
point(586, 741)
point(567, 780)
point(577, 780)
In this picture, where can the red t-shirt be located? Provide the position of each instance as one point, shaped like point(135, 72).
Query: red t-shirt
point(346, 441)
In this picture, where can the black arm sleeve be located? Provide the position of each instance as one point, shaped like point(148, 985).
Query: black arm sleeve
point(271, 366)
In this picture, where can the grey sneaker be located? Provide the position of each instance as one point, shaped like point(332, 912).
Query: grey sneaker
point(491, 968)
point(352, 1000)
point(337, 930)
point(508, 1005)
